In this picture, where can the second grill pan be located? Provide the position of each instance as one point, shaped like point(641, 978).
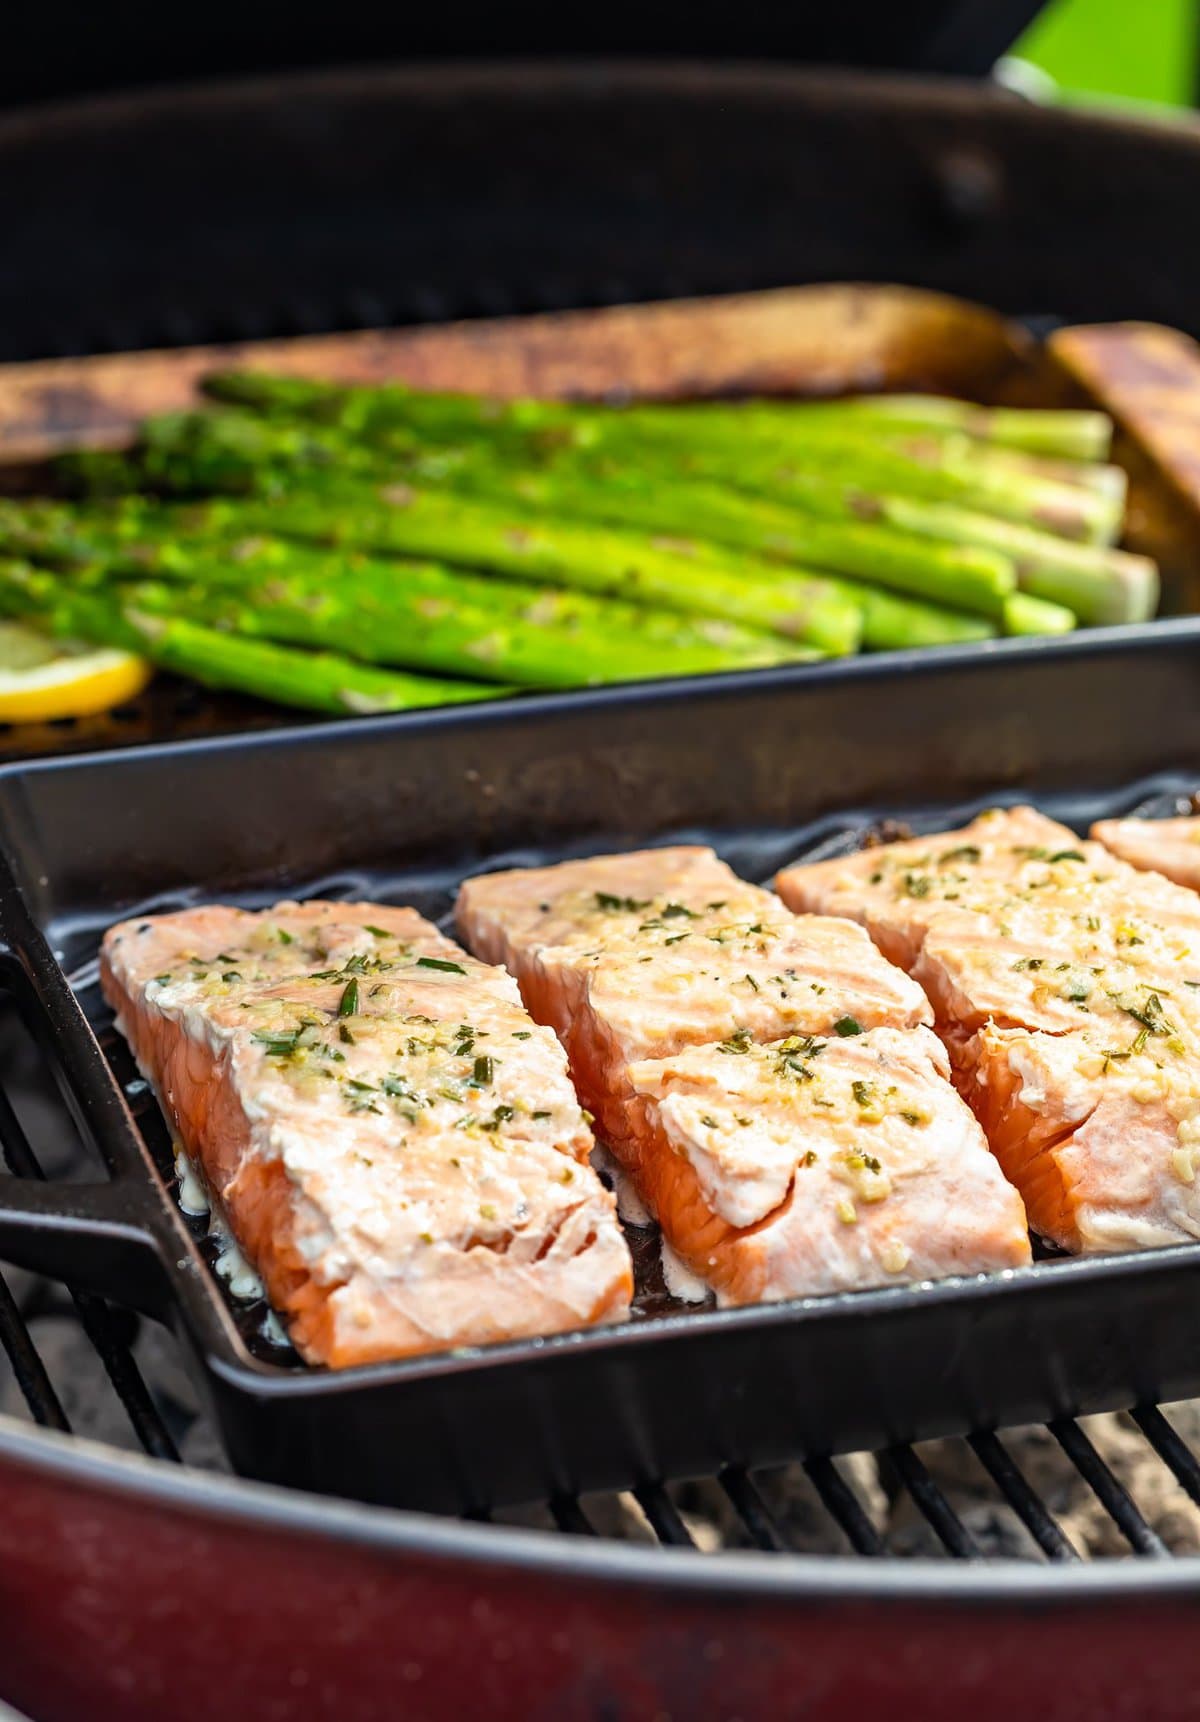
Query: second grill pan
point(767, 767)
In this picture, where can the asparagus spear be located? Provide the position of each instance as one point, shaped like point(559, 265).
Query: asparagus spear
point(185, 453)
point(948, 467)
point(579, 488)
point(797, 476)
point(888, 620)
point(960, 575)
point(316, 681)
point(1024, 614)
point(1107, 480)
point(1102, 585)
point(289, 611)
point(748, 444)
point(375, 623)
point(1099, 584)
point(1072, 435)
point(563, 491)
point(891, 623)
point(419, 615)
point(299, 592)
point(677, 574)
point(1068, 435)
point(382, 410)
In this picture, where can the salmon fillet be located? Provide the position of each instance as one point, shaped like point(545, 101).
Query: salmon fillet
point(395, 1145)
point(1066, 987)
point(1167, 846)
point(766, 1078)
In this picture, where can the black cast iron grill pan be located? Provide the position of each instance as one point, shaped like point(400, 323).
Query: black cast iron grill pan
point(767, 767)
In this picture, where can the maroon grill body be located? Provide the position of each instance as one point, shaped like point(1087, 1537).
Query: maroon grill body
point(129, 1595)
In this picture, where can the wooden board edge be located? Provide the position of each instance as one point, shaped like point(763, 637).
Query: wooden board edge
point(829, 339)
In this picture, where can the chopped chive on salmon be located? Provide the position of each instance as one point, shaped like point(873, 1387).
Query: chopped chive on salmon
point(301, 1131)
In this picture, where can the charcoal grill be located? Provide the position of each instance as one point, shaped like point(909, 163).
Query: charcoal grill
point(133, 1587)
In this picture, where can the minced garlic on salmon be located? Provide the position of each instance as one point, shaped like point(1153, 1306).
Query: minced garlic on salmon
point(394, 1143)
point(813, 1165)
point(745, 1064)
point(1066, 986)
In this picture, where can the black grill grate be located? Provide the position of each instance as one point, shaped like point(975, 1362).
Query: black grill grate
point(1126, 1484)
point(915, 1501)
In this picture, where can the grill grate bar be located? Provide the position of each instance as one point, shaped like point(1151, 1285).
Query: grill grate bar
point(663, 1515)
point(1170, 1447)
point(103, 1326)
point(27, 1366)
point(1112, 1495)
point(954, 1536)
point(844, 1507)
point(1024, 1500)
point(753, 1511)
point(569, 1516)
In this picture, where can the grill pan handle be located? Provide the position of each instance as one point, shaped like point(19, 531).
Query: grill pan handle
point(95, 1237)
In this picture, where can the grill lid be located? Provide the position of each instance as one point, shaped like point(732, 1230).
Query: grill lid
point(141, 44)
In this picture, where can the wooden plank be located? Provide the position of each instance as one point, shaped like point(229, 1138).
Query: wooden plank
point(1148, 379)
point(811, 340)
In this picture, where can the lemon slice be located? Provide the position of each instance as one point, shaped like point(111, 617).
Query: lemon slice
point(41, 678)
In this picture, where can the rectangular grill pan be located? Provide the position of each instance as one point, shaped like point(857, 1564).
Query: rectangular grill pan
point(767, 766)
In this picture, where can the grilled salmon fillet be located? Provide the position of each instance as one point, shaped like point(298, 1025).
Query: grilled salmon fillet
point(1167, 846)
point(1066, 987)
point(767, 1079)
point(395, 1145)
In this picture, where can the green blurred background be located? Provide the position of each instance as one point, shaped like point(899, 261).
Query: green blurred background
point(1139, 50)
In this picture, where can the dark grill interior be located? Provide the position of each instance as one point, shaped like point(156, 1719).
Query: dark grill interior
point(1118, 1484)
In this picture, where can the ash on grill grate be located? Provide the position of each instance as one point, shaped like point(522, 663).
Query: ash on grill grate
point(85, 1391)
point(1162, 1507)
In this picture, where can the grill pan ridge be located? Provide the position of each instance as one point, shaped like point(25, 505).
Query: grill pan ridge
point(765, 767)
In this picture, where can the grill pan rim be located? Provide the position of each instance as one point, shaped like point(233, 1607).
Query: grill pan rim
point(662, 690)
point(736, 1575)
